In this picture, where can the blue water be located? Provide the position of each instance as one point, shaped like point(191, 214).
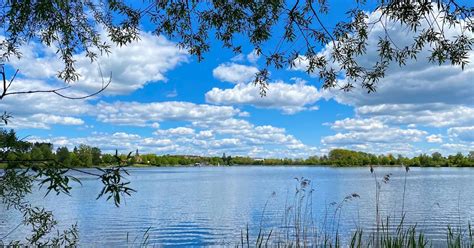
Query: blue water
point(206, 206)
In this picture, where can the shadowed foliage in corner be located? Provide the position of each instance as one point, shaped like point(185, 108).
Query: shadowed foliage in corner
point(18, 180)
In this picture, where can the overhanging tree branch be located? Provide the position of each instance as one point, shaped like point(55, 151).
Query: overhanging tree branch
point(56, 91)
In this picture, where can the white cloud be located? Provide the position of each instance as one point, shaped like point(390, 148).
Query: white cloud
point(121, 141)
point(357, 124)
point(418, 93)
point(172, 94)
point(290, 98)
point(180, 131)
point(253, 57)
point(122, 135)
point(388, 135)
point(234, 73)
point(43, 121)
point(37, 61)
point(452, 148)
point(41, 110)
point(434, 138)
point(276, 141)
point(373, 136)
point(28, 104)
point(205, 134)
point(462, 133)
point(134, 65)
point(238, 58)
point(54, 119)
point(248, 140)
point(416, 96)
point(131, 66)
point(144, 114)
point(434, 114)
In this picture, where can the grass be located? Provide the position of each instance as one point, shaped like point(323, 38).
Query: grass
point(299, 228)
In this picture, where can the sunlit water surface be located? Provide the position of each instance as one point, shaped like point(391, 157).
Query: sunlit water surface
point(206, 206)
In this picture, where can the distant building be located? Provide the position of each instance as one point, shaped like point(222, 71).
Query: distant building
point(138, 158)
point(258, 159)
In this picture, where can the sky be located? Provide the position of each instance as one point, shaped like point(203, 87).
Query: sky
point(162, 100)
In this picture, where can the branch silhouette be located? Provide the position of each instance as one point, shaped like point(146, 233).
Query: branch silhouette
point(57, 91)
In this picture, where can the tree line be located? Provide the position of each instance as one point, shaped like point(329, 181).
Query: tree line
point(88, 156)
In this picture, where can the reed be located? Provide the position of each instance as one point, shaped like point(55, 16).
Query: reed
point(299, 227)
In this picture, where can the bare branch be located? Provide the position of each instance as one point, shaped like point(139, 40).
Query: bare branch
point(56, 91)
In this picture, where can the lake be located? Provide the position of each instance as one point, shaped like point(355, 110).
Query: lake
point(211, 205)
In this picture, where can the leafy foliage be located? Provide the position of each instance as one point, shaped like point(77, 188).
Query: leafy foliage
point(14, 186)
point(72, 27)
point(22, 173)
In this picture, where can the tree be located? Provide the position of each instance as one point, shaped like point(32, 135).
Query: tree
point(72, 28)
point(96, 156)
point(437, 159)
point(75, 159)
point(46, 150)
point(436, 156)
point(471, 156)
point(84, 155)
point(63, 156)
point(15, 184)
point(227, 160)
point(36, 153)
point(108, 159)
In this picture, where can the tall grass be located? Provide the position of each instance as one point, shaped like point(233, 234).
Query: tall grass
point(299, 228)
point(457, 237)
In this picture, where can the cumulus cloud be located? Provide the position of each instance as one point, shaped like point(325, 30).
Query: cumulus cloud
point(131, 67)
point(289, 98)
point(41, 110)
point(248, 140)
point(124, 142)
point(434, 114)
point(253, 57)
point(389, 135)
point(41, 102)
point(392, 119)
point(434, 138)
point(374, 136)
point(357, 124)
point(234, 73)
point(175, 131)
point(210, 129)
point(37, 61)
point(462, 133)
point(145, 114)
point(43, 121)
point(419, 82)
point(420, 94)
point(458, 147)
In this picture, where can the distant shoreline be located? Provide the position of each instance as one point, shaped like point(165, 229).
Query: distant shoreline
point(4, 166)
point(291, 165)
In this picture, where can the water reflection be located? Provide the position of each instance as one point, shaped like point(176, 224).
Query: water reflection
point(210, 206)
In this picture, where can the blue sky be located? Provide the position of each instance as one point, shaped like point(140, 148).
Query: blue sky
point(161, 100)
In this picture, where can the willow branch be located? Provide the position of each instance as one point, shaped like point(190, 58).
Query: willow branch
point(56, 91)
